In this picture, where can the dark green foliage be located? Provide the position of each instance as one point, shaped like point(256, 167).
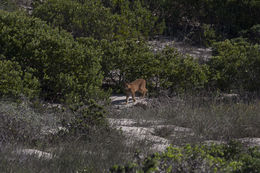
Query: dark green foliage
point(123, 60)
point(131, 58)
point(84, 19)
point(133, 20)
point(235, 65)
point(65, 69)
point(86, 118)
point(253, 34)
point(198, 158)
point(226, 17)
point(115, 20)
point(50, 53)
point(251, 161)
point(14, 82)
point(180, 72)
point(123, 19)
point(8, 5)
point(230, 16)
point(65, 58)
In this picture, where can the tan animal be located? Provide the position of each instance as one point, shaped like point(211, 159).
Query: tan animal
point(137, 85)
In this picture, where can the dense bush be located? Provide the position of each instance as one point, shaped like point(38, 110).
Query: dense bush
point(227, 17)
point(235, 65)
point(114, 19)
point(231, 157)
point(230, 16)
point(123, 60)
point(180, 72)
point(8, 5)
point(100, 20)
point(81, 18)
point(131, 58)
point(65, 69)
point(133, 19)
point(86, 118)
point(14, 82)
point(253, 34)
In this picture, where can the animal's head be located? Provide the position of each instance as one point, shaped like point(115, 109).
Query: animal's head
point(127, 86)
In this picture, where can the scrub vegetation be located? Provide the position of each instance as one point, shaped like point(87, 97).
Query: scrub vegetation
point(60, 60)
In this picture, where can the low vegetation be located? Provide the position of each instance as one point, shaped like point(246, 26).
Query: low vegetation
point(210, 118)
point(60, 60)
point(87, 144)
point(202, 158)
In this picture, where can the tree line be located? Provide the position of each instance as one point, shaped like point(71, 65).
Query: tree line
point(64, 49)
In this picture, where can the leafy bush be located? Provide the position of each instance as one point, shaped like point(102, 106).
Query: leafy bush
point(8, 5)
point(133, 19)
point(253, 34)
point(86, 118)
point(14, 82)
point(234, 65)
point(81, 18)
point(198, 158)
point(65, 69)
point(179, 72)
point(131, 59)
point(123, 60)
point(227, 17)
point(101, 20)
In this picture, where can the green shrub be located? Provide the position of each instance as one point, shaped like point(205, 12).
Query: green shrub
point(8, 5)
point(101, 20)
point(198, 158)
point(251, 161)
point(227, 17)
point(133, 19)
point(253, 34)
point(180, 72)
point(123, 60)
point(14, 82)
point(234, 65)
point(66, 70)
point(86, 118)
point(82, 19)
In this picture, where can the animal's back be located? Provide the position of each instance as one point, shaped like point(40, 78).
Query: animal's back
point(139, 84)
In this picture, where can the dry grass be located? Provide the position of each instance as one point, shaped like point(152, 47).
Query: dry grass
point(21, 128)
point(21, 125)
point(210, 119)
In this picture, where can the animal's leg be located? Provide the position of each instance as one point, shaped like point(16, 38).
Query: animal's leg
point(133, 96)
point(127, 97)
point(143, 91)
